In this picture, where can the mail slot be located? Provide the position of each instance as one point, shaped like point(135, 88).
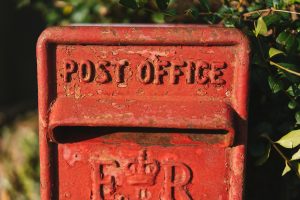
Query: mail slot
point(142, 112)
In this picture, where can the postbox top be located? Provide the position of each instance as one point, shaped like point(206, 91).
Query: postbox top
point(175, 76)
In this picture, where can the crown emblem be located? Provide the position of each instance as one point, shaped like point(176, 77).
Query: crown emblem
point(142, 171)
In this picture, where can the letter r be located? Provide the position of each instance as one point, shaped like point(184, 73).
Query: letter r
point(175, 184)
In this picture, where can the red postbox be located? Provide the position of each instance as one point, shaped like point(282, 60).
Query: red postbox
point(142, 112)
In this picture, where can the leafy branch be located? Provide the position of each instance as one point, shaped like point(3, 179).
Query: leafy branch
point(290, 140)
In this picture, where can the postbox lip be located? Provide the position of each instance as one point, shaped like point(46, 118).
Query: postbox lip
point(126, 25)
point(220, 117)
point(51, 35)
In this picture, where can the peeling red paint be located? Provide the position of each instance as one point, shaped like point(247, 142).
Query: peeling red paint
point(142, 112)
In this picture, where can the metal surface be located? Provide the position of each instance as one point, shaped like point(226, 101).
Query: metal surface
point(142, 112)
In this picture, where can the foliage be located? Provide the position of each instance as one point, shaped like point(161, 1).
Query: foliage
point(273, 28)
point(64, 12)
point(19, 160)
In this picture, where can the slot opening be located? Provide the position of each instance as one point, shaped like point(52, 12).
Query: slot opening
point(140, 135)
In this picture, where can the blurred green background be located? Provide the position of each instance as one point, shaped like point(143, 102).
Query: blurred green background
point(22, 21)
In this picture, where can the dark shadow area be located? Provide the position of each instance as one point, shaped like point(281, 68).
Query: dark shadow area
point(19, 31)
point(267, 115)
point(145, 135)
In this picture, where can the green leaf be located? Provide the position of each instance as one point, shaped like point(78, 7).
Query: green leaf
point(294, 90)
point(52, 17)
point(80, 15)
point(253, 7)
point(287, 168)
point(158, 17)
point(290, 66)
point(290, 140)
point(205, 4)
point(272, 19)
point(273, 52)
point(297, 117)
point(291, 91)
point(276, 3)
point(288, 40)
point(292, 104)
point(141, 3)
point(230, 23)
point(285, 16)
point(296, 156)
point(291, 43)
point(162, 4)
point(281, 38)
point(170, 12)
point(269, 3)
point(261, 27)
point(265, 156)
point(275, 84)
point(129, 3)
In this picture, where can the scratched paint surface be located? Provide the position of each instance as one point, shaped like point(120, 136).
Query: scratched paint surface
point(118, 171)
point(106, 75)
point(93, 170)
point(142, 113)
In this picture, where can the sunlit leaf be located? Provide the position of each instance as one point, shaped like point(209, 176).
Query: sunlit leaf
point(290, 140)
point(261, 27)
point(286, 169)
point(273, 52)
point(158, 17)
point(294, 90)
point(68, 9)
point(80, 15)
point(292, 104)
point(296, 156)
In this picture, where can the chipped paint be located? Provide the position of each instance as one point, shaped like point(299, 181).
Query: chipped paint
point(142, 112)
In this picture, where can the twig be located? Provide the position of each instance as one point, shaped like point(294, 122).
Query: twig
point(285, 69)
point(281, 154)
point(285, 11)
point(249, 14)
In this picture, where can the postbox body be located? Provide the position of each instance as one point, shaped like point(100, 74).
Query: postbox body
point(142, 112)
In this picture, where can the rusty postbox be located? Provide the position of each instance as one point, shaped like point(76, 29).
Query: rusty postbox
point(142, 112)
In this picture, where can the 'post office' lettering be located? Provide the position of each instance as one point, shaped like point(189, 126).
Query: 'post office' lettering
point(158, 72)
